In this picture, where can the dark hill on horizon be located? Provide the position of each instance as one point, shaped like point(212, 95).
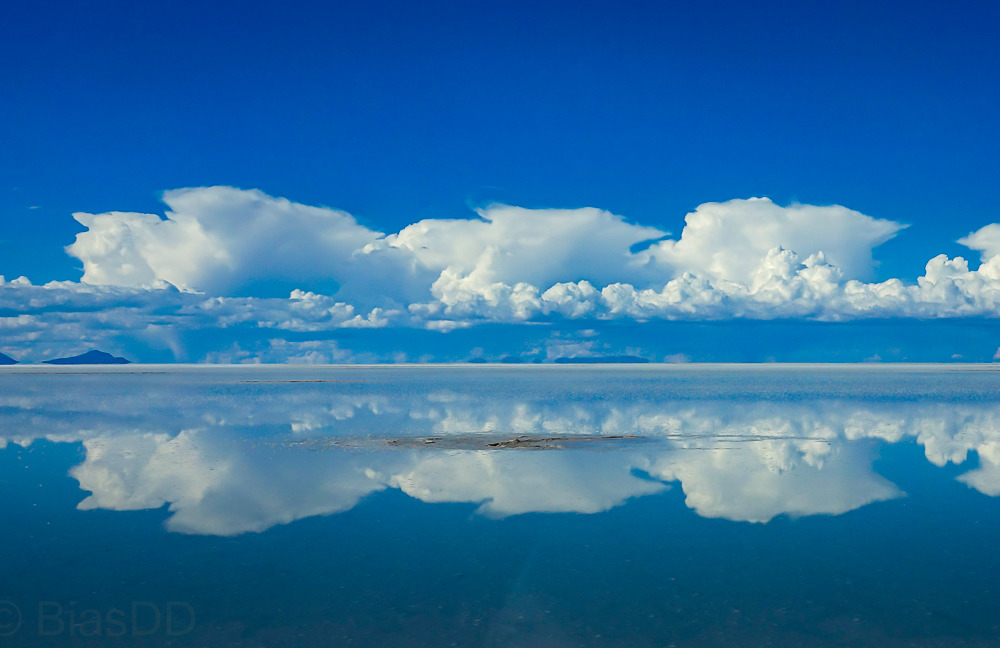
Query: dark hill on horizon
point(90, 357)
point(6, 359)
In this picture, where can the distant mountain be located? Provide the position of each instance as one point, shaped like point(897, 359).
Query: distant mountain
point(89, 358)
point(7, 360)
point(617, 359)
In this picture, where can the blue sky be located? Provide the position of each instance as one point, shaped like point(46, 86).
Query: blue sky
point(395, 113)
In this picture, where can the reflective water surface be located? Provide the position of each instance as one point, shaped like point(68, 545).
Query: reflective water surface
point(500, 506)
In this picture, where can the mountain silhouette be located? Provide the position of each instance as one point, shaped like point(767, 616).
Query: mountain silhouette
point(7, 360)
point(90, 357)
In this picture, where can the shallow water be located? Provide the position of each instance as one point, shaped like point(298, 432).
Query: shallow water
point(500, 506)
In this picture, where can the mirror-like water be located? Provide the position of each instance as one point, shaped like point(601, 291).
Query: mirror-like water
point(500, 506)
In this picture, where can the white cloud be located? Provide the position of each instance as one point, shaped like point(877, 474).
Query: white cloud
point(233, 254)
point(985, 240)
point(727, 240)
point(66, 318)
point(513, 245)
point(220, 241)
point(225, 241)
point(781, 286)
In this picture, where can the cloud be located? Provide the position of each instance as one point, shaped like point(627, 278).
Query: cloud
point(782, 285)
point(513, 245)
point(225, 259)
point(224, 241)
point(64, 318)
point(726, 241)
point(221, 241)
point(985, 240)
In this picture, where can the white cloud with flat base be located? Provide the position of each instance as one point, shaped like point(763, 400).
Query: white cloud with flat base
point(225, 258)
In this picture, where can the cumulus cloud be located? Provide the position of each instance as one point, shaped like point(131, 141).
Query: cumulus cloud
point(218, 240)
point(224, 241)
point(985, 240)
point(229, 259)
point(726, 241)
point(513, 245)
point(221, 241)
point(782, 285)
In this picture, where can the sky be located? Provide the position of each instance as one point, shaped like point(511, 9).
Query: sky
point(387, 181)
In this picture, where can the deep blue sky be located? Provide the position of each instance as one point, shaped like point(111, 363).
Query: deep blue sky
point(396, 111)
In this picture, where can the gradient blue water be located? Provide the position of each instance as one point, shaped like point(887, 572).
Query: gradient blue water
point(215, 506)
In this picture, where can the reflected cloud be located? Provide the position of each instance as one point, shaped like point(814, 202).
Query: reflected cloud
point(215, 484)
point(512, 482)
point(770, 478)
point(234, 457)
point(985, 478)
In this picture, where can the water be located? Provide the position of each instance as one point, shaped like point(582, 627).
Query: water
point(500, 506)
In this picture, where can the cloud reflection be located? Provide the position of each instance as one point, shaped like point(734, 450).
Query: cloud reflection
point(240, 461)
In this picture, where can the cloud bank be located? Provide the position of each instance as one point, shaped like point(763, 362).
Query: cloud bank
point(228, 258)
point(224, 242)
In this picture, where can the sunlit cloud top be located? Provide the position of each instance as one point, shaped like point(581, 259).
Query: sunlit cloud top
point(226, 258)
